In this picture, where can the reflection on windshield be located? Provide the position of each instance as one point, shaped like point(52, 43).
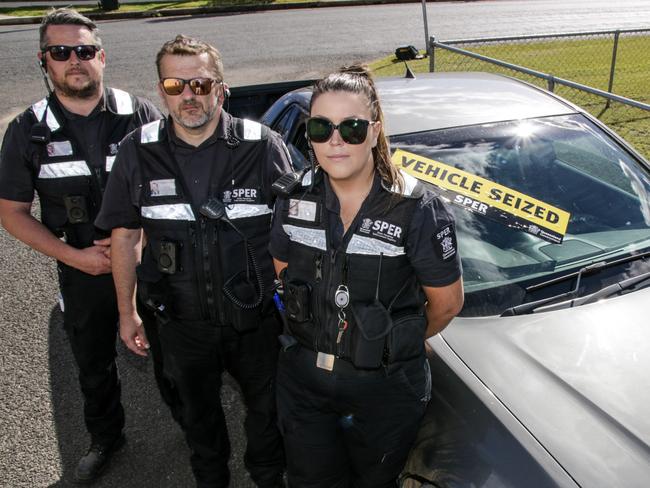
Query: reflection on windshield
point(563, 161)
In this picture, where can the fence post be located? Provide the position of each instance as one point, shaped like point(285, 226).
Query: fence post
point(426, 23)
point(551, 83)
point(432, 56)
point(612, 70)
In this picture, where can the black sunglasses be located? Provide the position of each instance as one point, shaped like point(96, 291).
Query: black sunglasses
point(352, 131)
point(85, 52)
point(199, 86)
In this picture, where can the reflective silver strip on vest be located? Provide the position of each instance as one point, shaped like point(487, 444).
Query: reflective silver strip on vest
point(39, 109)
point(64, 170)
point(409, 184)
point(252, 130)
point(123, 102)
point(369, 246)
point(308, 237)
point(109, 163)
point(306, 179)
point(175, 211)
point(244, 210)
point(150, 132)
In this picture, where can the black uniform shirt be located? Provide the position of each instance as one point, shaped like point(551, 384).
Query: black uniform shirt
point(16, 174)
point(121, 205)
point(433, 267)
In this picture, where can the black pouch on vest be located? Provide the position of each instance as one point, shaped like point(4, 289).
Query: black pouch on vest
point(244, 296)
point(373, 323)
point(406, 339)
point(297, 297)
point(151, 286)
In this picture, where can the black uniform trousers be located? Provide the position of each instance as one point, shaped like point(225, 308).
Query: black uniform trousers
point(194, 358)
point(348, 427)
point(90, 319)
point(165, 385)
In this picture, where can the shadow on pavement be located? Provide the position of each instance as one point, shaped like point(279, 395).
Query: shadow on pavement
point(155, 454)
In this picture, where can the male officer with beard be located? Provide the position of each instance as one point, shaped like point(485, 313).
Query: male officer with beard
point(199, 185)
point(63, 148)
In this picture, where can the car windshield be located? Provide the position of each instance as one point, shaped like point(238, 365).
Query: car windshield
point(532, 199)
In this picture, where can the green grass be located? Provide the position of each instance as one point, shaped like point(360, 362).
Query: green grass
point(586, 61)
point(144, 6)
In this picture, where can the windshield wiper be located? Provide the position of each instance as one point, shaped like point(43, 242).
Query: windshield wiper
point(612, 290)
point(529, 307)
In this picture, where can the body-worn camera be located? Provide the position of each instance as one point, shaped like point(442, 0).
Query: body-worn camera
point(296, 298)
point(76, 208)
point(167, 257)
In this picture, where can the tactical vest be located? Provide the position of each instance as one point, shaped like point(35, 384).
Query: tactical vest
point(69, 188)
point(385, 315)
point(217, 264)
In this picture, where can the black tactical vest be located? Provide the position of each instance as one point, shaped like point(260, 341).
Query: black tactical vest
point(69, 188)
point(385, 314)
point(201, 269)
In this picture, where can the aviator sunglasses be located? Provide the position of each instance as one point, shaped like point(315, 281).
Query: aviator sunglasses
point(84, 52)
point(198, 86)
point(352, 131)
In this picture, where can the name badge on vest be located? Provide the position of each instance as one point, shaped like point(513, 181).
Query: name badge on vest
point(162, 188)
point(59, 148)
point(303, 210)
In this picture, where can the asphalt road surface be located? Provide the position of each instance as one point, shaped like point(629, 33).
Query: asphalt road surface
point(41, 427)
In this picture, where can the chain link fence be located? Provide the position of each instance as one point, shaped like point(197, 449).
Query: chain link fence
point(616, 62)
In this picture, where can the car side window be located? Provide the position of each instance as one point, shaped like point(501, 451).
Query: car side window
point(291, 126)
point(300, 139)
point(283, 123)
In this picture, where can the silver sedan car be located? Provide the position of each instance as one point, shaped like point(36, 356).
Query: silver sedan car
point(543, 379)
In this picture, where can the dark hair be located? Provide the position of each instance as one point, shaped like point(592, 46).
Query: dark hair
point(357, 79)
point(183, 45)
point(66, 16)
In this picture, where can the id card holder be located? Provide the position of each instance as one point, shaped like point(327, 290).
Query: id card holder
point(325, 361)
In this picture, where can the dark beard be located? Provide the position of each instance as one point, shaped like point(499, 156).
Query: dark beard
point(88, 91)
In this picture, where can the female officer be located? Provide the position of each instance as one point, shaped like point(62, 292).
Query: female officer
point(367, 277)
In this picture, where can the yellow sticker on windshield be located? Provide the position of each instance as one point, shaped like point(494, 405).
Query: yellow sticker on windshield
point(481, 195)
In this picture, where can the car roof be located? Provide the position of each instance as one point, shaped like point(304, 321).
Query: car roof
point(432, 101)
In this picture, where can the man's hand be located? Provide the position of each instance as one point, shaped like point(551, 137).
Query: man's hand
point(133, 335)
point(92, 260)
point(106, 244)
point(18, 221)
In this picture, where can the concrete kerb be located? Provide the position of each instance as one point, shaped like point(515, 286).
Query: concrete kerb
point(9, 20)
